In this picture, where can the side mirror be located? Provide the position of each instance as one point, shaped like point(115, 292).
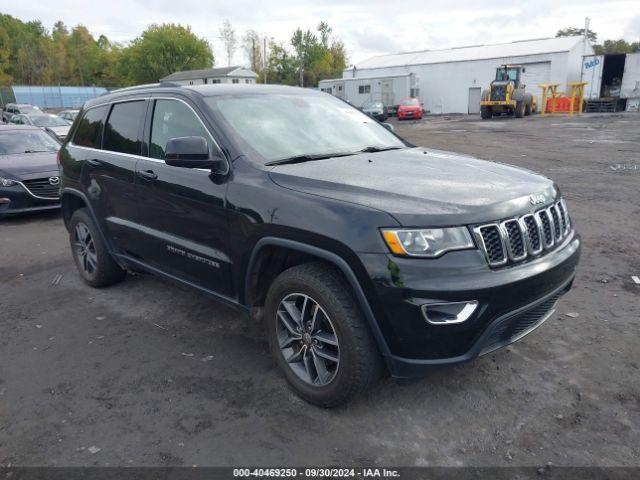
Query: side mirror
point(388, 126)
point(193, 152)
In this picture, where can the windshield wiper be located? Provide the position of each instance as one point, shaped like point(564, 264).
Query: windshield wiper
point(37, 151)
point(374, 149)
point(306, 158)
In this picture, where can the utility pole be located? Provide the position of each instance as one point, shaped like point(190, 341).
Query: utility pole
point(264, 60)
point(587, 21)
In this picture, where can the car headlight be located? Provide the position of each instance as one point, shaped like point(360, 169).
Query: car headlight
point(427, 242)
point(7, 182)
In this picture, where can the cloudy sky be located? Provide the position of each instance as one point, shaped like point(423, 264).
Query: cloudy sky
point(367, 27)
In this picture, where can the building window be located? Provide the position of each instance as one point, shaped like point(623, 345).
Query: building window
point(215, 80)
point(235, 80)
point(206, 81)
point(190, 82)
point(247, 80)
point(364, 89)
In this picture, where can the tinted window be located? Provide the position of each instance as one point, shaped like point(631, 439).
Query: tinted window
point(123, 126)
point(89, 131)
point(173, 119)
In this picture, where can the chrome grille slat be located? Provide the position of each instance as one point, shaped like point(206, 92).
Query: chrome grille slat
point(42, 188)
point(514, 239)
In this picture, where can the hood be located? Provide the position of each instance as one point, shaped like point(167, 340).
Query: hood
point(409, 107)
point(25, 164)
point(421, 187)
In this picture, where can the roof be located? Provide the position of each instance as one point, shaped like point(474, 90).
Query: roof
point(206, 72)
point(476, 52)
point(209, 90)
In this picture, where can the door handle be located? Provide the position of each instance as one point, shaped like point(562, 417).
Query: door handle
point(93, 162)
point(147, 174)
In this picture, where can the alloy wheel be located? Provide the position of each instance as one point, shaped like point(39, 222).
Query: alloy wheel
point(307, 339)
point(85, 248)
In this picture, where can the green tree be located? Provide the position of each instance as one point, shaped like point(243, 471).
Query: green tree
point(162, 50)
point(572, 31)
point(617, 46)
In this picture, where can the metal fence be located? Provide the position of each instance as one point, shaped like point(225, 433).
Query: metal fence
point(55, 97)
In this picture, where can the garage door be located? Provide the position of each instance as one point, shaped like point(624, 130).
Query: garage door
point(535, 74)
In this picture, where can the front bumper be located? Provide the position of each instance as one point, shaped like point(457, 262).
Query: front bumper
point(512, 302)
point(17, 200)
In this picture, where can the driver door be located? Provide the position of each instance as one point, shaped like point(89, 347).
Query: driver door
point(182, 210)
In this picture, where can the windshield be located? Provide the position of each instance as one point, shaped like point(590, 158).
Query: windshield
point(26, 141)
point(410, 102)
point(29, 109)
point(48, 121)
point(279, 126)
point(503, 75)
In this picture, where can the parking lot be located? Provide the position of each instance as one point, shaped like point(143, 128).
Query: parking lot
point(147, 373)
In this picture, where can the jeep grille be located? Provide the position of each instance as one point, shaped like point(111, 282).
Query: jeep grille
point(513, 240)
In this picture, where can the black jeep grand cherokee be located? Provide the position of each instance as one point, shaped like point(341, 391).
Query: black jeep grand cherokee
point(357, 249)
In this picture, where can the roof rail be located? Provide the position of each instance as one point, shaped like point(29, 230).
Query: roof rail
point(146, 85)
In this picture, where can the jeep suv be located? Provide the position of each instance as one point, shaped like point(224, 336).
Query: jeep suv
point(359, 251)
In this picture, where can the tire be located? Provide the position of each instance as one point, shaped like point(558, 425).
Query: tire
point(96, 266)
point(527, 110)
point(519, 111)
point(341, 335)
point(486, 113)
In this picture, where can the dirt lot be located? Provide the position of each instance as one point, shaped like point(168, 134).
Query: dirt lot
point(146, 373)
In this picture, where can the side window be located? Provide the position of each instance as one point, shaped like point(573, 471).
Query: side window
point(121, 133)
point(173, 119)
point(89, 130)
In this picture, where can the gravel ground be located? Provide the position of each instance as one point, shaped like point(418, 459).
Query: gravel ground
point(146, 373)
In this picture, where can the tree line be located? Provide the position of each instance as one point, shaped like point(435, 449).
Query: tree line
point(30, 54)
point(608, 46)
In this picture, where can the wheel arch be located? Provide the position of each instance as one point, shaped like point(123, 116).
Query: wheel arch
point(313, 253)
point(72, 200)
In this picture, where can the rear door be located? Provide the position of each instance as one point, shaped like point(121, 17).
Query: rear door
point(182, 211)
point(110, 156)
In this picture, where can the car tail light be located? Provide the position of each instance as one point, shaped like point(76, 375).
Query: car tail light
point(58, 157)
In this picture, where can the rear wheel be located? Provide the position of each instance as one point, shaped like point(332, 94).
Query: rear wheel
point(95, 265)
point(519, 111)
point(486, 113)
point(527, 110)
point(318, 336)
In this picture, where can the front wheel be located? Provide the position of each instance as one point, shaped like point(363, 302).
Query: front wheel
point(318, 336)
point(519, 111)
point(486, 113)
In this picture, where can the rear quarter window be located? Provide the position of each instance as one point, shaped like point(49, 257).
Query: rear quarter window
point(89, 130)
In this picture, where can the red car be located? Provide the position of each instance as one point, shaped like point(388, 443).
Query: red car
point(409, 108)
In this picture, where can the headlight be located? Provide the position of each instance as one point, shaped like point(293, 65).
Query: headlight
point(6, 182)
point(428, 242)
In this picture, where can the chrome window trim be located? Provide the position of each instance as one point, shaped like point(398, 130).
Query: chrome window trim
point(151, 159)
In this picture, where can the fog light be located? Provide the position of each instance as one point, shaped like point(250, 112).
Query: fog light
point(449, 313)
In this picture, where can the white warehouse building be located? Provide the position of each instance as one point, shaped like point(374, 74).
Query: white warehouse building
point(452, 80)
